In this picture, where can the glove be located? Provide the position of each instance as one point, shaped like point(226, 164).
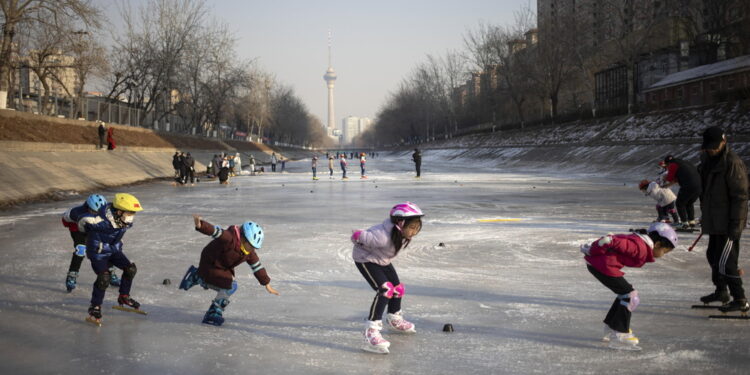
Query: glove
point(355, 236)
point(585, 249)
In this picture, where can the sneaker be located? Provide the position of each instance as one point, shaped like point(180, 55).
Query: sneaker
point(95, 311)
point(718, 296)
point(740, 305)
point(374, 341)
point(397, 323)
point(125, 300)
point(70, 281)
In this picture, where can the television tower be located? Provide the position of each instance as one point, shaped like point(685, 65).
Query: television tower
point(330, 78)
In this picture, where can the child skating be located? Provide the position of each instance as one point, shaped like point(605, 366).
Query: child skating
point(665, 199)
point(342, 163)
point(71, 220)
point(374, 250)
point(315, 167)
point(606, 257)
point(104, 246)
point(230, 248)
point(330, 167)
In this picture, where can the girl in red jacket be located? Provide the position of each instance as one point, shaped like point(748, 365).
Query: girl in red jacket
point(230, 248)
point(605, 258)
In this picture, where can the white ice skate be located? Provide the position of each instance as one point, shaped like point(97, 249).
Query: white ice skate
point(374, 342)
point(399, 324)
point(623, 341)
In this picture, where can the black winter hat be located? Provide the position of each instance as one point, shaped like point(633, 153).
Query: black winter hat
point(712, 138)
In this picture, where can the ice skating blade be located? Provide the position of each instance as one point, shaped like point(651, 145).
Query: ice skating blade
point(128, 309)
point(96, 322)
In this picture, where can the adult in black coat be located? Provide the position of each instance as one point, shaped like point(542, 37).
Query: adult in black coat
point(102, 135)
point(189, 165)
point(685, 174)
point(724, 208)
point(417, 158)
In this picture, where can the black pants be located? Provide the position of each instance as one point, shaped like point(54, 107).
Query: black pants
point(79, 238)
point(376, 276)
point(685, 200)
point(273, 167)
point(419, 168)
point(665, 211)
point(189, 174)
point(722, 254)
point(618, 317)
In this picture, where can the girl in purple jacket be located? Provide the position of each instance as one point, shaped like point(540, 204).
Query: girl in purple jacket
point(605, 259)
point(374, 249)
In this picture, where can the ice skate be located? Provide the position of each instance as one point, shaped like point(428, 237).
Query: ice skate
point(718, 296)
point(397, 323)
point(214, 315)
point(190, 279)
point(70, 281)
point(624, 341)
point(128, 304)
point(740, 305)
point(374, 341)
point(95, 315)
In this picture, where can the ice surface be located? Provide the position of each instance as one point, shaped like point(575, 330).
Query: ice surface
point(517, 293)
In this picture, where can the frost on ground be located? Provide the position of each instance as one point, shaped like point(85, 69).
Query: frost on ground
point(517, 292)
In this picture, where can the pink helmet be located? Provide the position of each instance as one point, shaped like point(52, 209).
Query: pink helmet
point(406, 209)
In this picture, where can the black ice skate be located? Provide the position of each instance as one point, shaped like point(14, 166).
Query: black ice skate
point(740, 305)
point(719, 296)
point(95, 315)
point(128, 304)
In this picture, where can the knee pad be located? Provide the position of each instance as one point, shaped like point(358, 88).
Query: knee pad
point(130, 271)
point(630, 300)
point(102, 280)
point(387, 289)
point(399, 291)
point(81, 250)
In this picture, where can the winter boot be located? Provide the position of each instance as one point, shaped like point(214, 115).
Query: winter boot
point(717, 296)
point(190, 279)
point(70, 281)
point(374, 342)
point(740, 305)
point(397, 323)
point(125, 301)
point(214, 315)
point(113, 279)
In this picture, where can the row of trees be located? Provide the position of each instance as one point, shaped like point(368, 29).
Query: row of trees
point(516, 73)
point(170, 59)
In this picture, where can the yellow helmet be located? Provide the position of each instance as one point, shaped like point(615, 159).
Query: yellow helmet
point(127, 202)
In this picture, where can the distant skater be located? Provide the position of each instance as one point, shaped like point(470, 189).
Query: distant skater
point(342, 163)
point(417, 158)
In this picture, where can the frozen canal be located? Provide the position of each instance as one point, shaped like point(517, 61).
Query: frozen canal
point(517, 292)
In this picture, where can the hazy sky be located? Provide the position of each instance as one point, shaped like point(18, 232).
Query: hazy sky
point(375, 43)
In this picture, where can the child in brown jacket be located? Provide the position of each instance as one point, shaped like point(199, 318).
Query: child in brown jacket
point(230, 248)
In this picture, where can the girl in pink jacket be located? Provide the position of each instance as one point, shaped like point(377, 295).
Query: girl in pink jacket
point(606, 257)
point(374, 249)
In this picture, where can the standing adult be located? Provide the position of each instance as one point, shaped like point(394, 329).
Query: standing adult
point(189, 163)
point(724, 209)
point(283, 164)
point(273, 162)
point(417, 158)
point(102, 134)
point(183, 168)
point(237, 163)
point(176, 164)
point(217, 164)
point(252, 165)
point(685, 174)
point(111, 138)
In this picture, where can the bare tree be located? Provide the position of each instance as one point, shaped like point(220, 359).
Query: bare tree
point(27, 12)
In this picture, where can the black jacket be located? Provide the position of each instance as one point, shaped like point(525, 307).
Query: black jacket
point(724, 197)
point(687, 176)
point(417, 157)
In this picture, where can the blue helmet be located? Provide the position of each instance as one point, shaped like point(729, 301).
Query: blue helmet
point(253, 233)
point(96, 202)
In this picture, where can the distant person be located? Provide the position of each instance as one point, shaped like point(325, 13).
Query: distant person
point(252, 165)
point(237, 163)
point(111, 138)
point(230, 159)
point(342, 163)
point(224, 171)
point(362, 161)
point(217, 164)
point(685, 174)
point(417, 158)
point(189, 163)
point(315, 167)
point(183, 170)
point(102, 134)
point(176, 164)
point(283, 164)
point(724, 208)
point(273, 162)
point(330, 167)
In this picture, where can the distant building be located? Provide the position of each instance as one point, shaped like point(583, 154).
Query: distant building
point(349, 129)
